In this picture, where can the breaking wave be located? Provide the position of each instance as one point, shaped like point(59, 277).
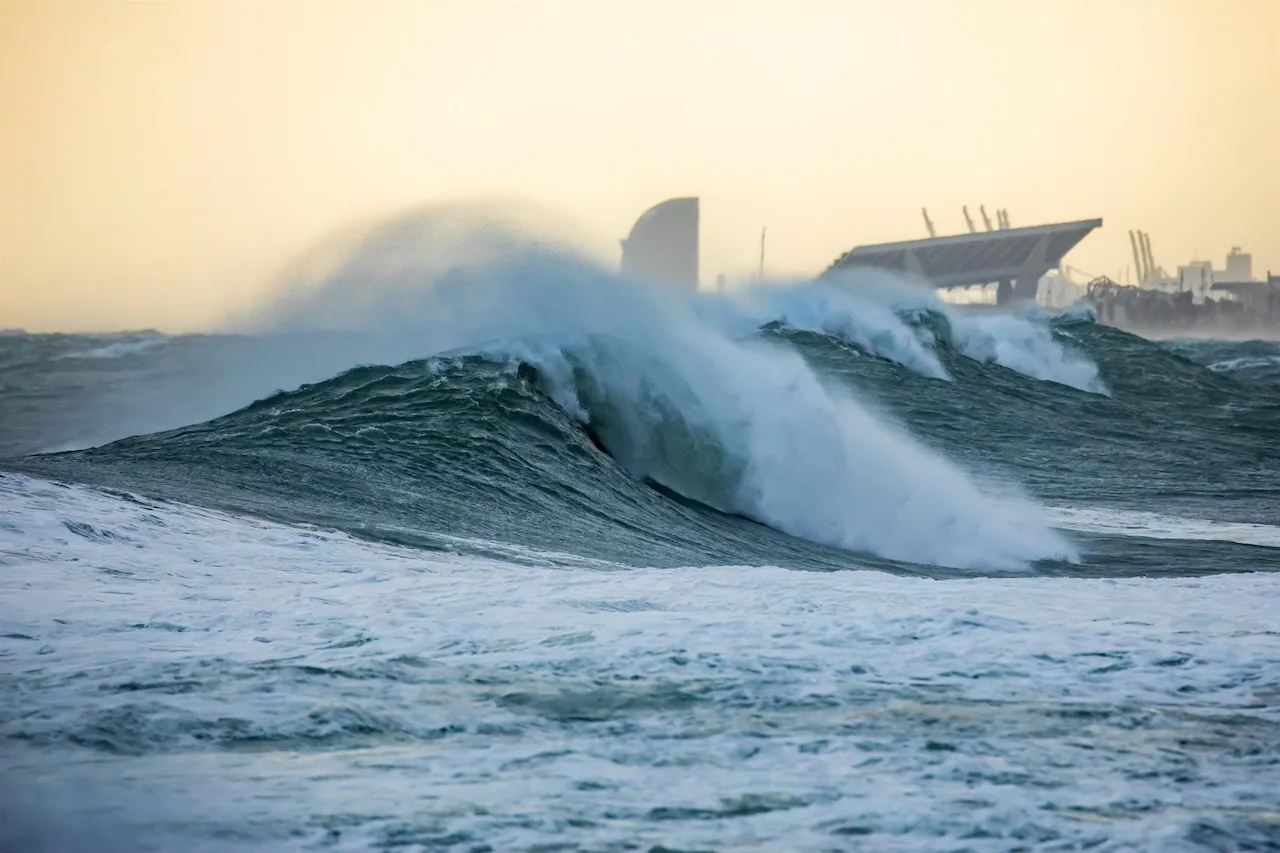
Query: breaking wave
point(702, 409)
point(453, 384)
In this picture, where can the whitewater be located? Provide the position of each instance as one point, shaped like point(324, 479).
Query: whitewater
point(253, 686)
point(470, 544)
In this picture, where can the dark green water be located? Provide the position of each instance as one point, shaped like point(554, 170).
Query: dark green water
point(443, 452)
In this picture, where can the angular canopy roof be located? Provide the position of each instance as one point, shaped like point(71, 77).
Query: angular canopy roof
point(977, 258)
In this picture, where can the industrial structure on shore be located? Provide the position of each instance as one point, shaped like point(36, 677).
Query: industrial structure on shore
point(1196, 297)
point(1023, 264)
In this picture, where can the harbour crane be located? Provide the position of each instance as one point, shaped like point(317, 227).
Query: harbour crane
point(1138, 265)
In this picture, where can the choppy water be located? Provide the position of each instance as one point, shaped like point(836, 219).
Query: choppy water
point(531, 558)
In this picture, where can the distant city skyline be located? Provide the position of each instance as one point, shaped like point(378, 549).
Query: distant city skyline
point(162, 163)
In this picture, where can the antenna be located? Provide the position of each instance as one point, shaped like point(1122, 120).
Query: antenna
point(986, 219)
point(928, 223)
point(762, 230)
point(968, 219)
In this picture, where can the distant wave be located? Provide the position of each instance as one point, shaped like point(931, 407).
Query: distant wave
point(118, 349)
point(893, 319)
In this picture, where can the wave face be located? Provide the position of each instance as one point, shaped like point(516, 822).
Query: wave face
point(515, 398)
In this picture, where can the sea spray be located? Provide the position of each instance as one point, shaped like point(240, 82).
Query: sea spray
point(680, 400)
point(749, 428)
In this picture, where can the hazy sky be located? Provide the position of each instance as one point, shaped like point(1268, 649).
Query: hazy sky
point(162, 162)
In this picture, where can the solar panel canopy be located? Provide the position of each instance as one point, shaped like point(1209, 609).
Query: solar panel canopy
point(981, 257)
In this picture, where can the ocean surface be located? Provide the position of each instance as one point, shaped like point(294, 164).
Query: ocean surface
point(527, 557)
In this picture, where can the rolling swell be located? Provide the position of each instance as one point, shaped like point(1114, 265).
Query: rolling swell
point(474, 447)
point(1172, 434)
point(429, 454)
point(473, 453)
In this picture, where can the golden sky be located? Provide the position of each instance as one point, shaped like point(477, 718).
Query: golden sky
point(162, 162)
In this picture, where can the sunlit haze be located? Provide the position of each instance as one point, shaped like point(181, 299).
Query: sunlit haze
point(161, 163)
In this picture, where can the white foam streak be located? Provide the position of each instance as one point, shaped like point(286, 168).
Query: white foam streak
point(1153, 525)
point(1243, 363)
